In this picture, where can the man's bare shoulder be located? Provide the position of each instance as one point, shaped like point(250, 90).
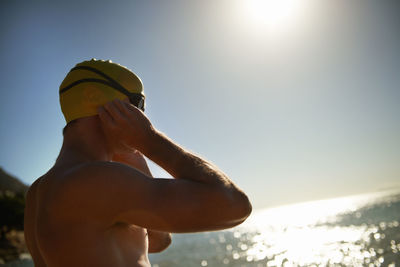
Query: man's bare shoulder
point(60, 176)
point(97, 177)
point(93, 178)
point(94, 170)
point(92, 190)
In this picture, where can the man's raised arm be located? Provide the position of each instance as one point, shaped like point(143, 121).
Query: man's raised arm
point(201, 197)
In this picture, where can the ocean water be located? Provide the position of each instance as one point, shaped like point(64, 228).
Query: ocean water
point(360, 230)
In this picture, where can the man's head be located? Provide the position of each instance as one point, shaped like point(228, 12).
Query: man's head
point(93, 83)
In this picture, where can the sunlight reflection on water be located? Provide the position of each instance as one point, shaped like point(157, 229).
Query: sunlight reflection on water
point(353, 231)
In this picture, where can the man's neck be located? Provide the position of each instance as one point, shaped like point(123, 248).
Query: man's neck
point(84, 143)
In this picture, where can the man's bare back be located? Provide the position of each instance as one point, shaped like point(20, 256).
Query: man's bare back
point(99, 204)
point(55, 238)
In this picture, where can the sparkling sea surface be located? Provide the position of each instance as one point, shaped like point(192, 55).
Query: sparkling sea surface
point(361, 230)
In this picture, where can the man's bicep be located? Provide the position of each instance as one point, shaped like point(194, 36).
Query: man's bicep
point(172, 205)
point(113, 192)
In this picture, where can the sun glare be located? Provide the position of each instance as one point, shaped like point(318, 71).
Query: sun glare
point(271, 14)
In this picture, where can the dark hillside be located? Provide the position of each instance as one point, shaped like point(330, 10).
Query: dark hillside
point(12, 205)
point(11, 183)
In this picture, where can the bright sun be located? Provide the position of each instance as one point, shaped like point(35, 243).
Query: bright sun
point(273, 14)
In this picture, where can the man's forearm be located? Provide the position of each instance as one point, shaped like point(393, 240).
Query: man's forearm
point(181, 163)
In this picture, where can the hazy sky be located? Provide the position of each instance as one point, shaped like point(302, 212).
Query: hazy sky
point(296, 100)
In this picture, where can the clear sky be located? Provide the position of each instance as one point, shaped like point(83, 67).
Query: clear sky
point(294, 99)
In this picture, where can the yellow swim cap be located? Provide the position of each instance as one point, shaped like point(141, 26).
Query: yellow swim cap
point(93, 83)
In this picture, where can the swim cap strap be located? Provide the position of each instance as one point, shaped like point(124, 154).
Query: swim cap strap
point(111, 81)
point(87, 81)
point(135, 99)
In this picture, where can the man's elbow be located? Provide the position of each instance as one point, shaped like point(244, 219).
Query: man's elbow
point(244, 207)
point(161, 245)
point(239, 208)
point(230, 207)
point(167, 241)
point(165, 245)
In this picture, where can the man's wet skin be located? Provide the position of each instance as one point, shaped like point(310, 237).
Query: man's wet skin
point(100, 206)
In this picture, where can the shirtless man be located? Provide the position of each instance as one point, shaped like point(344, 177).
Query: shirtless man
point(99, 205)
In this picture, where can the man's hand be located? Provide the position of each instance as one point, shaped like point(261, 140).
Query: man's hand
point(125, 126)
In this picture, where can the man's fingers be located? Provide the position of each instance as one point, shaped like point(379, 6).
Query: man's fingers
point(105, 117)
point(129, 109)
point(119, 105)
point(112, 109)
